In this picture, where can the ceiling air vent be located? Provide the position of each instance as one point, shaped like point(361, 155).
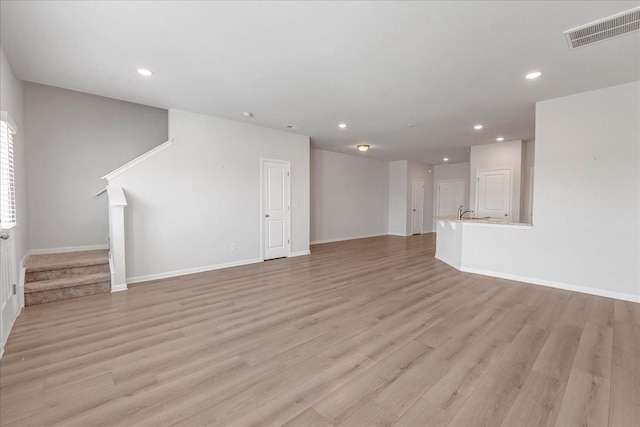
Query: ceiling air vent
point(603, 29)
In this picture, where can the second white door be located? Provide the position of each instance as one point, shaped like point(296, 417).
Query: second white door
point(417, 206)
point(275, 207)
point(493, 198)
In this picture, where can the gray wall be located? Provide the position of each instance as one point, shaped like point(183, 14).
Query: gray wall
point(499, 155)
point(191, 204)
point(398, 172)
point(349, 196)
point(73, 139)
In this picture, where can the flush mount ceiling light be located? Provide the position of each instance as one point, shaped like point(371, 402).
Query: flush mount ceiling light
point(247, 114)
point(145, 72)
point(363, 147)
point(499, 138)
point(533, 75)
point(342, 125)
point(446, 159)
point(478, 127)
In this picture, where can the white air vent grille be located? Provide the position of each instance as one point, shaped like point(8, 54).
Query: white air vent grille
point(603, 29)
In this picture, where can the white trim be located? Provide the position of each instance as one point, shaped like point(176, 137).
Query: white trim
point(115, 287)
point(446, 261)
point(300, 253)
point(5, 117)
point(67, 249)
point(119, 288)
point(25, 258)
point(398, 234)
point(186, 271)
point(342, 239)
point(138, 160)
point(12, 323)
point(552, 284)
point(20, 291)
point(116, 196)
point(479, 223)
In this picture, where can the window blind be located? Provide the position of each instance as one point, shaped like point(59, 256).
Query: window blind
point(7, 180)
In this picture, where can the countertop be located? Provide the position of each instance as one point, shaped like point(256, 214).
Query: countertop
point(474, 220)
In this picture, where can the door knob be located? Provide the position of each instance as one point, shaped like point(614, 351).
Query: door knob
point(266, 215)
point(4, 236)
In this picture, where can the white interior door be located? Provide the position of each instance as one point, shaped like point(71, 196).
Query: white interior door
point(450, 196)
point(275, 206)
point(493, 196)
point(417, 206)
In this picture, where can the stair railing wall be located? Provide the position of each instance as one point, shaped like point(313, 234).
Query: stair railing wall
point(117, 203)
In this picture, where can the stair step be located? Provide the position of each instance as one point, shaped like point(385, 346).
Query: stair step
point(62, 276)
point(39, 276)
point(52, 295)
point(67, 282)
point(66, 260)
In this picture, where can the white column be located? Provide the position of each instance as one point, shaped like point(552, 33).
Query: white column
point(117, 202)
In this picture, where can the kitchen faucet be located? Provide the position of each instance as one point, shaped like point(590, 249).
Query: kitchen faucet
point(461, 212)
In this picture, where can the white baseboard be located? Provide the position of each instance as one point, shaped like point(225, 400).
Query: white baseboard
point(398, 234)
point(25, 258)
point(300, 253)
point(67, 249)
point(553, 284)
point(342, 239)
point(12, 322)
point(447, 261)
point(119, 288)
point(194, 270)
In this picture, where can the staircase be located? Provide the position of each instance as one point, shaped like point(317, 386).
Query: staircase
point(56, 277)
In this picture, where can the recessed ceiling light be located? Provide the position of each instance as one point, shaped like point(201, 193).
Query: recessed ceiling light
point(446, 159)
point(363, 147)
point(247, 114)
point(533, 75)
point(478, 127)
point(342, 125)
point(500, 138)
point(144, 72)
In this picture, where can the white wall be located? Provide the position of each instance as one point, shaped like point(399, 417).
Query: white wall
point(398, 197)
point(191, 202)
point(349, 196)
point(420, 171)
point(11, 101)
point(500, 155)
point(586, 232)
point(73, 139)
point(528, 163)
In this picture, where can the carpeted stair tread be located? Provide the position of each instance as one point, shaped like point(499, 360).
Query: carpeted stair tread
point(64, 260)
point(67, 282)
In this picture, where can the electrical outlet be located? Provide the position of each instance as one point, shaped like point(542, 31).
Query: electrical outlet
point(234, 247)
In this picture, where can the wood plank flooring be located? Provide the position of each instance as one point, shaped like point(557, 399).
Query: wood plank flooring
point(365, 332)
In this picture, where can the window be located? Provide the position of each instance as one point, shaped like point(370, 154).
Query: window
point(7, 182)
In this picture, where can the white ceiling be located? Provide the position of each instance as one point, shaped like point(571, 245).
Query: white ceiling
point(379, 66)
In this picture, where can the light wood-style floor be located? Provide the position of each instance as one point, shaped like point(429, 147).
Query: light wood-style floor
point(365, 332)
